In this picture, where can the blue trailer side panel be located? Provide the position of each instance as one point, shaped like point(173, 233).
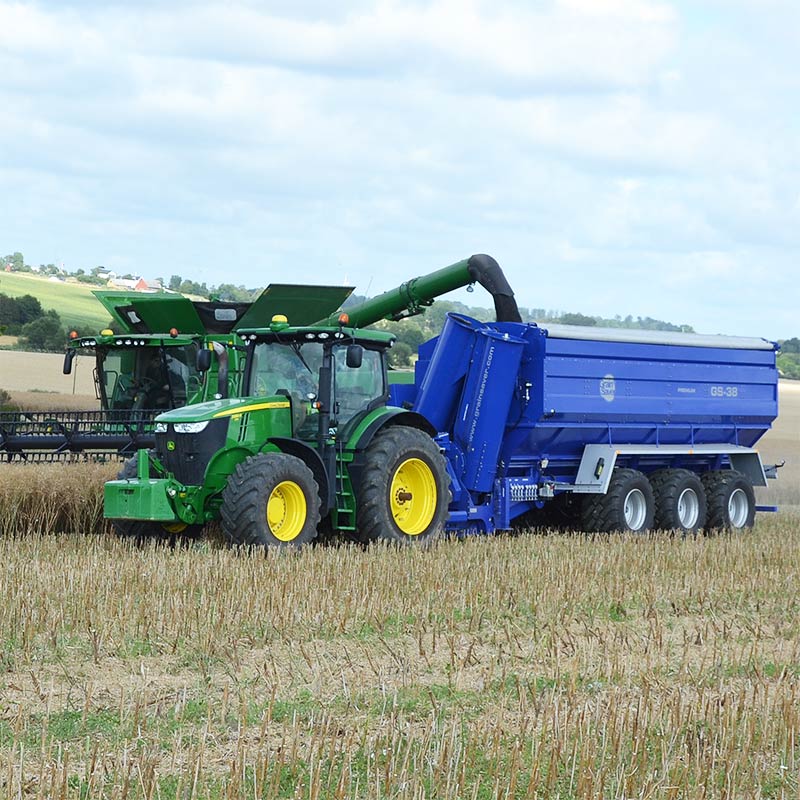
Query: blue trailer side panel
point(569, 388)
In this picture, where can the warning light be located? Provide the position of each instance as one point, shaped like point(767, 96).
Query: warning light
point(173, 332)
point(73, 334)
point(106, 332)
point(344, 319)
point(280, 319)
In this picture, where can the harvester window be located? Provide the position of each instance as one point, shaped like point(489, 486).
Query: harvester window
point(148, 377)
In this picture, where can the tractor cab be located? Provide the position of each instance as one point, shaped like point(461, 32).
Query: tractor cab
point(340, 371)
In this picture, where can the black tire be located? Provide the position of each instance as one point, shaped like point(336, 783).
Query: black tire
point(143, 531)
point(277, 478)
point(399, 463)
point(627, 506)
point(680, 500)
point(731, 500)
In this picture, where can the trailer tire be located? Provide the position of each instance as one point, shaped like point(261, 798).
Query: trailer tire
point(731, 500)
point(143, 531)
point(405, 489)
point(271, 499)
point(680, 500)
point(627, 506)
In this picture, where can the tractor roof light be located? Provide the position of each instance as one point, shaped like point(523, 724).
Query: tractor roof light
point(173, 332)
point(73, 334)
point(344, 319)
point(106, 332)
point(279, 322)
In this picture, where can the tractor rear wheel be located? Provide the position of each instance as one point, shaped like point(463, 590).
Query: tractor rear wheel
point(141, 531)
point(628, 505)
point(731, 500)
point(680, 500)
point(271, 499)
point(404, 491)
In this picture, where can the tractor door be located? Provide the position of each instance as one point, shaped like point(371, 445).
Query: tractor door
point(357, 390)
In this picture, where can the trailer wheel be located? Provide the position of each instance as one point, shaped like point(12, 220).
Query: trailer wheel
point(404, 493)
point(271, 499)
point(731, 500)
point(142, 531)
point(680, 500)
point(627, 506)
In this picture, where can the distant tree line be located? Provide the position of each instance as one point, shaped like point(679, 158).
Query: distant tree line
point(36, 328)
point(413, 331)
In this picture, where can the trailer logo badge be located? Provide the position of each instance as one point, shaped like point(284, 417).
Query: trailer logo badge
point(608, 387)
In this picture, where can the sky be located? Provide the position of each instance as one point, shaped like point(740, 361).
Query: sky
point(616, 156)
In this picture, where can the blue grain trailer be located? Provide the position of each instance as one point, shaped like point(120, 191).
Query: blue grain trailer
point(607, 429)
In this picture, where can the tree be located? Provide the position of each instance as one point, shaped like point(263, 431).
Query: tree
point(400, 355)
point(577, 319)
point(791, 345)
point(175, 283)
point(16, 311)
point(45, 333)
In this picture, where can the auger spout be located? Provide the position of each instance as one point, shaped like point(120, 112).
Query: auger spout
point(413, 296)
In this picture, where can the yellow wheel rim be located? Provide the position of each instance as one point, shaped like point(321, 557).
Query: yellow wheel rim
point(286, 511)
point(412, 496)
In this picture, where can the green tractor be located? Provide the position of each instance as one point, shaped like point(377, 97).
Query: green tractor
point(311, 440)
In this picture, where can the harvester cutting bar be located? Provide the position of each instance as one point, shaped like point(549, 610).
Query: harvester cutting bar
point(61, 435)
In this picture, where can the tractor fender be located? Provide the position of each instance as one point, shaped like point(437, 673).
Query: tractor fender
point(365, 432)
point(222, 465)
point(310, 457)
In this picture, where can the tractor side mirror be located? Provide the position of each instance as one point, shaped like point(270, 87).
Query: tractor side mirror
point(68, 359)
point(203, 360)
point(355, 355)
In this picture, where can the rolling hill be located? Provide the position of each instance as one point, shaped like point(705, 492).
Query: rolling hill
point(74, 302)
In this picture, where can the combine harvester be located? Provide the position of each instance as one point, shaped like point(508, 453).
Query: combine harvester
point(505, 422)
point(171, 352)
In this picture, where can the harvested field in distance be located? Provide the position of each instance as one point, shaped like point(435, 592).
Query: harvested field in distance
point(528, 666)
point(43, 372)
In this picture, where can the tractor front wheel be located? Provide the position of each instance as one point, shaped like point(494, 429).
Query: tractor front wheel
point(271, 499)
point(404, 491)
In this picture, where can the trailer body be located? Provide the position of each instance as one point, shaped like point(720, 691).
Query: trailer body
point(526, 413)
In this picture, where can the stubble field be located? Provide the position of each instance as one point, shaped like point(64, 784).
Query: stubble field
point(519, 666)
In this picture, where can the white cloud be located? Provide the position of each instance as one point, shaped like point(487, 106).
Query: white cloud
point(607, 142)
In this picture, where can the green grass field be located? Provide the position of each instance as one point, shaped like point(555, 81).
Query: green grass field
point(74, 302)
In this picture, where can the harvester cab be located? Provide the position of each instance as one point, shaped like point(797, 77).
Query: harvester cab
point(143, 371)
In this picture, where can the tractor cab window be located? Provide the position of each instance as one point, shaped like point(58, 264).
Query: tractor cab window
point(291, 369)
point(356, 387)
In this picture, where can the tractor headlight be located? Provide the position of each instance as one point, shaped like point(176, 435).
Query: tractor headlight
point(190, 427)
point(161, 427)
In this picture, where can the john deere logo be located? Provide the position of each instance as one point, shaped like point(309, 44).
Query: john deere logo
point(608, 387)
point(170, 445)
